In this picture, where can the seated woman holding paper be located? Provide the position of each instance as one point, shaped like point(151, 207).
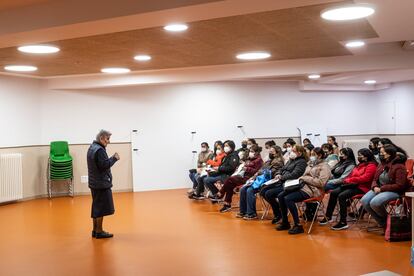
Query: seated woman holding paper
point(358, 182)
point(212, 165)
point(270, 168)
point(293, 169)
point(242, 174)
point(203, 157)
point(309, 185)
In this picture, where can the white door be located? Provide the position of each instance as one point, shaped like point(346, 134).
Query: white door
point(386, 118)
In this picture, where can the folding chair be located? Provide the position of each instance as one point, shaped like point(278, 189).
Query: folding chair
point(353, 206)
point(320, 208)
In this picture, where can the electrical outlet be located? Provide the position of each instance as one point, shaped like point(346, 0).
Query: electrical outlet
point(84, 179)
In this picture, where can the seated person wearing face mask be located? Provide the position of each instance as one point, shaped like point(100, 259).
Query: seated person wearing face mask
point(331, 158)
point(389, 183)
point(213, 164)
point(315, 177)
point(203, 157)
point(248, 191)
point(342, 169)
point(293, 169)
point(289, 144)
point(357, 182)
point(244, 172)
point(225, 170)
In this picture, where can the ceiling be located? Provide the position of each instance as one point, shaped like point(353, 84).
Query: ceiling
point(291, 30)
point(288, 34)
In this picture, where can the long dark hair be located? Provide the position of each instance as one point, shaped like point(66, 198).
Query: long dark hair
point(350, 155)
point(386, 141)
point(319, 151)
point(368, 154)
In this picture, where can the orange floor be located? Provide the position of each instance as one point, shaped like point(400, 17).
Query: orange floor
point(164, 233)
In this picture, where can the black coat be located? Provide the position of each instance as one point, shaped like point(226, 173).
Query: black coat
point(293, 169)
point(229, 164)
point(99, 167)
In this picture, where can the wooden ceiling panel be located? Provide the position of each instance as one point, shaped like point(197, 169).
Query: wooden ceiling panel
point(287, 34)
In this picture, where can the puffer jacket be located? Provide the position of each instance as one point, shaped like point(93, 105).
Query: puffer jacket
point(315, 178)
point(362, 175)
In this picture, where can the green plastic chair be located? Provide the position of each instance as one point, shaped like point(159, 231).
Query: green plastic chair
point(59, 152)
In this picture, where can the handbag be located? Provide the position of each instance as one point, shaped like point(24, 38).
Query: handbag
point(293, 185)
point(398, 228)
point(261, 179)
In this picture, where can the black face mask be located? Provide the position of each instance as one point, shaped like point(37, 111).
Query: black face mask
point(361, 159)
point(244, 146)
point(382, 158)
point(343, 158)
point(271, 156)
point(371, 147)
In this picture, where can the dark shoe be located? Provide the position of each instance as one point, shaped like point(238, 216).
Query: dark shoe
point(325, 221)
point(276, 219)
point(250, 217)
point(199, 197)
point(240, 215)
point(191, 196)
point(93, 234)
point(226, 208)
point(340, 226)
point(103, 235)
point(283, 226)
point(296, 229)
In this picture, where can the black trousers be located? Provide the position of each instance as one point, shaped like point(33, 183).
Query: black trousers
point(341, 195)
point(270, 194)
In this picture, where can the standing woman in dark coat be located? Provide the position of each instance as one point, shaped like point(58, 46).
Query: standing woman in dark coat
point(100, 182)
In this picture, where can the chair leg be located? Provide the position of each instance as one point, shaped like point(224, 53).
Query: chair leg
point(314, 217)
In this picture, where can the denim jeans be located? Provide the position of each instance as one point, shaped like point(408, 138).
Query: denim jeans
point(210, 180)
point(374, 204)
point(331, 186)
point(248, 200)
point(194, 178)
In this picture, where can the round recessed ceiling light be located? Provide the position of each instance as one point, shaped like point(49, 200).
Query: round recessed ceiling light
point(253, 55)
point(370, 82)
point(142, 57)
point(176, 27)
point(39, 49)
point(348, 12)
point(355, 44)
point(20, 68)
point(314, 76)
point(115, 70)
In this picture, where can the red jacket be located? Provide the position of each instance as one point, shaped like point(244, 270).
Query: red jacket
point(362, 175)
point(253, 166)
point(216, 162)
point(397, 174)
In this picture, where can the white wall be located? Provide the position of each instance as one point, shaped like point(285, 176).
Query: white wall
point(166, 115)
point(19, 111)
point(402, 94)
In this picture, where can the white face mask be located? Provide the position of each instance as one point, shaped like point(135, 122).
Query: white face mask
point(313, 159)
point(289, 149)
point(251, 154)
point(203, 149)
point(227, 149)
point(241, 155)
point(249, 146)
point(293, 155)
point(218, 152)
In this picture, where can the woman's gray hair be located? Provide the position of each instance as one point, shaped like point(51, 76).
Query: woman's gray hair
point(103, 133)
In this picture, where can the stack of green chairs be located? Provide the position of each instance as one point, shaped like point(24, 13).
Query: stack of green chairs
point(61, 167)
